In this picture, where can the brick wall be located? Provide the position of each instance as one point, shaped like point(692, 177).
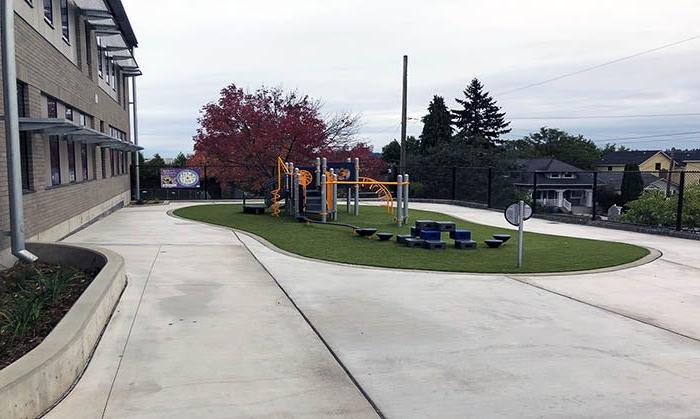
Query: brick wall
point(47, 71)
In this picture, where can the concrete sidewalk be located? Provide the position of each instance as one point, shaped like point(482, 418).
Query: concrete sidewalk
point(202, 331)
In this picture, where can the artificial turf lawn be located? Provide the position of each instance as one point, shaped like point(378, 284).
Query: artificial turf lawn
point(542, 253)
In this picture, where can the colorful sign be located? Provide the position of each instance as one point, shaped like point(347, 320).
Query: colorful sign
point(171, 178)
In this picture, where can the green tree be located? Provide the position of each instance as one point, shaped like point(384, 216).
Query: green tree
point(391, 153)
point(437, 124)
point(479, 121)
point(610, 148)
point(557, 144)
point(632, 183)
point(180, 160)
point(155, 161)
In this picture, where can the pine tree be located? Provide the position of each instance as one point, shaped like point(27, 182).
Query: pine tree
point(481, 121)
point(632, 183)
point(437, 124)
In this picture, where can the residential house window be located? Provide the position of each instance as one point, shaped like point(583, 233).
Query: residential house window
point(84, 160)
point(103, 152)
point(22, 99)
point(71, 161)
point(555, 175)
point(48, 11)
point(610, 168)
point(25, 152)
point(69, 113)
point(568, 175)
point(52, 108)
point(657, 166)
point(64, 20)
point(54, 151)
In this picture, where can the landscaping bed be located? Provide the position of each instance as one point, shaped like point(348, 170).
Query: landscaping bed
point(543, 253)
point(33, 299)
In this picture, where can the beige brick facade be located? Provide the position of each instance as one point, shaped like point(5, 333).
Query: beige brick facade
point(73, 80)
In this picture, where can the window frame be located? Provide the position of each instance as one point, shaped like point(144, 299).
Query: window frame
point(65, 21)
point(69, 113)
point(48, 13)
point(25, 152)
point(55, 159)
point(72, 175)
point(52, 107)
point(21, 99)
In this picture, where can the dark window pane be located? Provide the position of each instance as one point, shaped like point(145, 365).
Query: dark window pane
point(52, 108)
point(84, 160)
point(71, 161)
point(64, 19)
point(22, 99)
point(48, 10)
point(25, 150)
point(69, 113)
point(55, 160)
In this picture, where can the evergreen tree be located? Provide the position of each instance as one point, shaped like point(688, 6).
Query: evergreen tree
point(480, 121)
point(180, 160)
point(437, 124)
point(555, 143)
point(632, 183)
point(155, 161)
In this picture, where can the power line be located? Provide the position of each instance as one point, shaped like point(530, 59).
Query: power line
point(673, 134)
point(659, 115)
point(597, 66)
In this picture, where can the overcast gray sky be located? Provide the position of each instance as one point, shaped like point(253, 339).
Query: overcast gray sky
point(348, 54)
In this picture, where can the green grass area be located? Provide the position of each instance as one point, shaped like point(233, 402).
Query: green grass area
point(543, 253)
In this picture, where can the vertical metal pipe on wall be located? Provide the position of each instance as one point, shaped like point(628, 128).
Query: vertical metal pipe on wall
point(14, 164)
point(137, 165)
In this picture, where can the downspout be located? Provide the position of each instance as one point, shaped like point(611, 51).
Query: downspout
point(137, 168)
point(14, 165)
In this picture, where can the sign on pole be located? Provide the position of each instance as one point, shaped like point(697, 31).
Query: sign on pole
point(516, 214)
point(171, 178)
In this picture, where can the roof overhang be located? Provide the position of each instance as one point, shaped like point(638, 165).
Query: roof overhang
point(74, 132)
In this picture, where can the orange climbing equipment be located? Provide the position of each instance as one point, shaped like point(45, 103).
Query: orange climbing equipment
point(276, 193)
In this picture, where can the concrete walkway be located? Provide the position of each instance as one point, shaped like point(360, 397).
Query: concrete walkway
point(202, 331)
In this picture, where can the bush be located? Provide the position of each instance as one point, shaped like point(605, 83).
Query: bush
point(653, 208)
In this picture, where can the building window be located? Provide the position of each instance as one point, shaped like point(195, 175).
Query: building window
point(102, 126)
point(25, 151)
point(100, 55)
point(69, 113)
point(554, 175)
point(103, 152)
point(64, 20)
point(568, 175)
point(610, 168)
point(657, 166)
point(22, 99)
point(114, 76)
point(93, 159)
point(48, 11)
point(52, 108)
point(108, 75)
point(112, 155)
point(71, 161)
point(54, 151)
point(82, 119)
point(84, 159)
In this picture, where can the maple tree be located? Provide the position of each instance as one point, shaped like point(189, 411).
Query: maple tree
point(241, 135)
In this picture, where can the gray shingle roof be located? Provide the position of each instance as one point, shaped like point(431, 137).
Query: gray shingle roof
point(625, 157)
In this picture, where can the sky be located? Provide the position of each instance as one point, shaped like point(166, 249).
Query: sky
point(348, 54)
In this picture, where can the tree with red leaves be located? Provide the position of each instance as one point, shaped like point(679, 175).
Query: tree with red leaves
point(242, 134)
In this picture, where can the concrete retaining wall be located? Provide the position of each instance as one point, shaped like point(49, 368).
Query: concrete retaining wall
point(34, 383)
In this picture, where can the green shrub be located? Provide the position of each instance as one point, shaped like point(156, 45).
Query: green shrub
point(653, 208)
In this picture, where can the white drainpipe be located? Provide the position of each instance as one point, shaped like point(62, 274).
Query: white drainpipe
point(14, 165)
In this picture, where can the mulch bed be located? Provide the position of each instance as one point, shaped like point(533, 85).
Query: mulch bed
point(50, 302)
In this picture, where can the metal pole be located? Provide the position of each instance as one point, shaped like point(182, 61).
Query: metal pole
point(399, 200)
point(357, 187)
point(318, 172)
point(331, 210)
point(681, 195)
point(323, 198)
point(404, 103)
point(137, 166)
point(670, 172)
point(594, 196)
point(14, 165)
point(405, 198)
point(324, 166)
point(489, 199)
point(335, 198)
point(296, 202)
point(521, 223)
point(349, 160)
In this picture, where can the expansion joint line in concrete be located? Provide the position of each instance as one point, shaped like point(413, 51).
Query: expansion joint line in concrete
point(131, 328)
point(313, 328)
point(611, 311)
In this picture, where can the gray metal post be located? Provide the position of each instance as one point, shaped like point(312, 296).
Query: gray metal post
point(521, 227)
point(332, 191)
point(137, 165)
point(404, 102)
point(399, 201)
point(405, 199)
point(297, 201)
point(324, 166)
point(318, 172)
point(14, 165)
point(349, 160)
point(335, 198)
point(357, 187)
point(323, 199)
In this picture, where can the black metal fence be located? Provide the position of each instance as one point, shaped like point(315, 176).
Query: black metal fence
point(658, 199)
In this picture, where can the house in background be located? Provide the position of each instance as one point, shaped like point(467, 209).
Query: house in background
point(558, 185)
point(648, 161)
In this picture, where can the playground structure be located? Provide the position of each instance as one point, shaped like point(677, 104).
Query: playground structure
point(314, 191)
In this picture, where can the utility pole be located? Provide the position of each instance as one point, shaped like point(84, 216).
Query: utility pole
point(670, 172)
point(404, 103)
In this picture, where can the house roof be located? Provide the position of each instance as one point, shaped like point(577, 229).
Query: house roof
point(626, 157)
point(613, 180)
point(546, 165)
point(687, 155)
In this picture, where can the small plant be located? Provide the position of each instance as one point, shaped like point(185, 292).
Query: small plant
point(22, 318)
